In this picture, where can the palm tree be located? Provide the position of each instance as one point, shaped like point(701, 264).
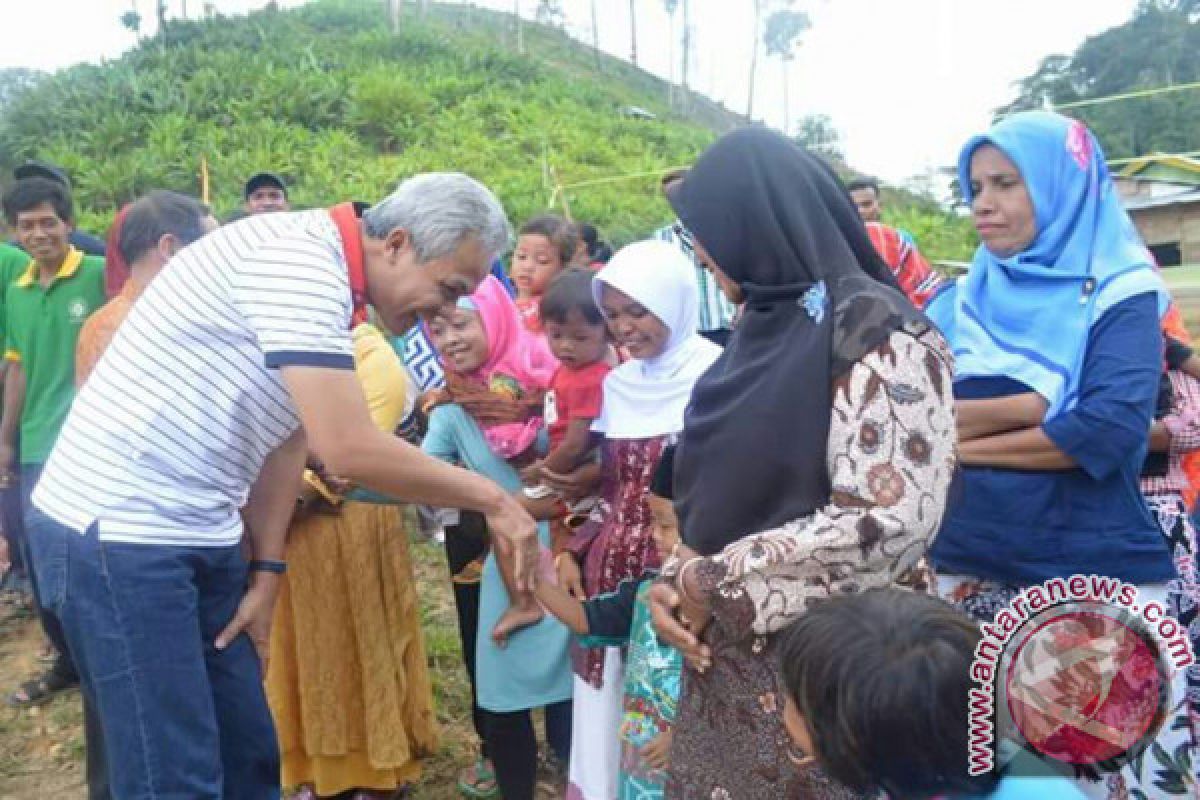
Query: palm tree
point(783, 27)
point(595, 36)
point(394, 9)
point(633, 32)
point(132, 20)
point(687, 49)
point(517, 23)
point(672, 6)
point(758, 9)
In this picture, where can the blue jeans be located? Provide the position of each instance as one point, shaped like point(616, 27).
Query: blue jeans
point(180, 719)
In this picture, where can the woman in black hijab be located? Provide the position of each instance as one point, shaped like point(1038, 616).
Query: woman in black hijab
point(815, 458)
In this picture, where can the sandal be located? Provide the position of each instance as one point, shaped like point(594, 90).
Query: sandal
point(470, 574)
point(38, 690)
point(479, 780)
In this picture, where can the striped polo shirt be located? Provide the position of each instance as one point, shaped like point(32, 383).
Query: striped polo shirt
point(172, 428)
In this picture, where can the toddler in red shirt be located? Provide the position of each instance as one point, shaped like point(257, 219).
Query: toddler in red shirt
point(578, 337)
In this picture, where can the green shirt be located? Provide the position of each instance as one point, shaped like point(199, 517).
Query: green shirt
point(13, 261)
point(41, 328)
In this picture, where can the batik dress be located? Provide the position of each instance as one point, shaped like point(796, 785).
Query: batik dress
point(890, 459)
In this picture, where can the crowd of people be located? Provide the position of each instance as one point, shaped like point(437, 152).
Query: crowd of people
point(725, 508)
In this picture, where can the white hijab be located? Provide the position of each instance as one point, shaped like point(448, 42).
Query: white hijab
point(647, 397)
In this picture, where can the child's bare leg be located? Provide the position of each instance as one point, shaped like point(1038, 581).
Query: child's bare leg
point(523, 608)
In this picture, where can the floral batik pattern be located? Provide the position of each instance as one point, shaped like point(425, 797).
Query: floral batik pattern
point(652, 675)
point(1165, 769)
point(891, 458)
point(618, 544)
point(1183, 592)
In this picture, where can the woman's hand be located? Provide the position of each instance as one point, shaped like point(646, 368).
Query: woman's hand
point(665, 609)
point(695, 611)
point(570, 577)
point(576, 485)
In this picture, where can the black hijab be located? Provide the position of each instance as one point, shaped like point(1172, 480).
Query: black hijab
point(777, 221)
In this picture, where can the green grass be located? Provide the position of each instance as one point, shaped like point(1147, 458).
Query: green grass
point(329, 98)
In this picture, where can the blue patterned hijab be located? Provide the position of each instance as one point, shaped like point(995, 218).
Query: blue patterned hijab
point(1028, 316)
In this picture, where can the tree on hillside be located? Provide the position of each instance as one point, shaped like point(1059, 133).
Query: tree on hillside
point(550, 12)
point(633, 32)
point(517, 26)
point(672, 6)
point(595, 36)
point(132, 21)
point(817, 134)
point(15, 81)
point(1158, 47)
point(394, 10)
point(687, 51)
point(783, 28)
point(759, 5)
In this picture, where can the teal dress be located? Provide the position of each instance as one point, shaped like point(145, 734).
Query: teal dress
point(533, 670)
point(653, 671)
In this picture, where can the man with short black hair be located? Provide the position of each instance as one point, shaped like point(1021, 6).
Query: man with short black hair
point(865, 194)
point(265, 193)
point(45, 307)
point(90, 245)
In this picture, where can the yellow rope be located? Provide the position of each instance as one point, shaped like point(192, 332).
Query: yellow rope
point(1112, 98)
point(619, 178)
point(1116, 162)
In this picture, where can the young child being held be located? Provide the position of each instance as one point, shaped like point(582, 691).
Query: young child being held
point(578, 337)
point(545, 246)
point(877, 688)
point(653, 670)
point(497, 372)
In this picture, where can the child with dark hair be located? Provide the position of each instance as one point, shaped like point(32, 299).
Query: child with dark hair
point(545, 247)
point(877, 688)
point(578, 337)
point(653, 670)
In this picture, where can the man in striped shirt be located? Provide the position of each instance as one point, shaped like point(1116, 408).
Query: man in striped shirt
point(234, 364)
point(717, 313)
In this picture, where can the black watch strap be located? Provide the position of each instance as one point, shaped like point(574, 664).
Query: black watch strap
point(263, 565)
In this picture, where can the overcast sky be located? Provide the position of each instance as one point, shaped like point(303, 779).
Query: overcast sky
point(905, 81)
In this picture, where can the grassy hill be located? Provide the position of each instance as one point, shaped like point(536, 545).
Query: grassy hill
point(329, 97)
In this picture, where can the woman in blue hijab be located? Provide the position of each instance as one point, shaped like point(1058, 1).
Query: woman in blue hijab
point(1058, 354)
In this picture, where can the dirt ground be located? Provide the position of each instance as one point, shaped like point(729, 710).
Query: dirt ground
point(41, 749)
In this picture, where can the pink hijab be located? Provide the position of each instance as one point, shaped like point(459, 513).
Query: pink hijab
point(519, 362)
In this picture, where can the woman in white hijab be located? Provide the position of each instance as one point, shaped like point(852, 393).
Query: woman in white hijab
point(648, 295)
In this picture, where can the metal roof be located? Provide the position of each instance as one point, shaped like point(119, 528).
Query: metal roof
point(1186, 197)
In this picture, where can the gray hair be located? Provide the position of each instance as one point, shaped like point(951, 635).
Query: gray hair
point(441, 210)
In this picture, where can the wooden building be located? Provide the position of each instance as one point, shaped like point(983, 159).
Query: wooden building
point(1162, 195)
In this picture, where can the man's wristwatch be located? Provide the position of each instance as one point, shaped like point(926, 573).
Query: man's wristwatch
point(263, 565)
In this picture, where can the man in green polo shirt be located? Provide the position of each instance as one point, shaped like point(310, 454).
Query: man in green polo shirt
point(13, 262)
point(45, 307)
